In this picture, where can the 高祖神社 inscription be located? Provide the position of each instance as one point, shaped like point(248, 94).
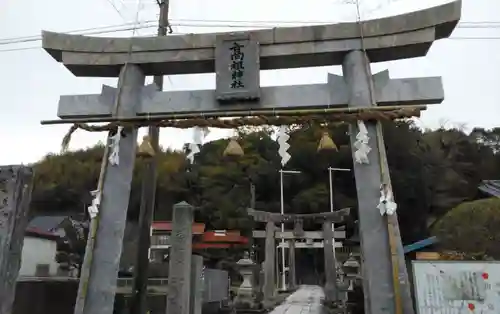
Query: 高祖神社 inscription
point(237, 68)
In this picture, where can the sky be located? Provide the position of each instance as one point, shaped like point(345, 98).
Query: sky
point(32, 81)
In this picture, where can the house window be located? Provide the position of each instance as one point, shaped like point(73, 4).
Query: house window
point(164, 239)
point(42, 270)
point(160, 240)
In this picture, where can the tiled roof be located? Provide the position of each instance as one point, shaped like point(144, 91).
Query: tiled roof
point(46, 223)
point(420, 244)
point(490, 187)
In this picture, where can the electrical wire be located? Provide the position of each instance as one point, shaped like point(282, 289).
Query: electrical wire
point(485, 38)
point(95, 32)
point(84, 30)
point(203, 24)
point(111, 2)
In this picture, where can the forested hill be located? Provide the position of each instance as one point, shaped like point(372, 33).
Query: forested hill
point(431, 171)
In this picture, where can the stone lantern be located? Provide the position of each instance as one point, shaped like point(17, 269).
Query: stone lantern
point(245, 294)
point(351, 268)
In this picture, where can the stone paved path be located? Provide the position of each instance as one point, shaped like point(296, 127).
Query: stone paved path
point(306, 300)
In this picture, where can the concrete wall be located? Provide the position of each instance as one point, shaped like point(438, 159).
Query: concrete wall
point(58, 297)
point(45, 297)
point(38, 251)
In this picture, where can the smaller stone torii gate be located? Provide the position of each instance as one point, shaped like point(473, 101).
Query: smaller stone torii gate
point(290, 236)
point(357, 98)
point(271, 219)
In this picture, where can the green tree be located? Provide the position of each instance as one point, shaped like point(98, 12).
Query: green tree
point(431, 172)
point(471, 228)
point(71, 247)
point(63, 182)
point(454, 164)
point(489, 138)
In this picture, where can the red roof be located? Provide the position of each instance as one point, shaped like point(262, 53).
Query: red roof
point(201, 246)
point(37, 233)
point(198, 228)
point(223, 237)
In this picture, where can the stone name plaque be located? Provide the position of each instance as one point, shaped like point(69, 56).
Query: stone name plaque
point(237, 67)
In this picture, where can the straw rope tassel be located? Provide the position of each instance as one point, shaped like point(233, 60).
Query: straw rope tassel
point(146, 149)
point(326, 142)
point(233, 149)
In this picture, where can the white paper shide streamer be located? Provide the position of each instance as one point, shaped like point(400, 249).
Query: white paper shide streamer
point(114, 157)
point(386, 203)
point(93, 209)
point(283, 138)
point(194, 147)
point(361, 144)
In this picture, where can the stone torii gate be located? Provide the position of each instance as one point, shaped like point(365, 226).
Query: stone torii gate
point(238, 93)
point(327, 218)
point(299, 234)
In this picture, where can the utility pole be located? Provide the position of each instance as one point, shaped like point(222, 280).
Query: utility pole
point(141, 269)
point(283, 266)
point(332, 202)
point(330, 180)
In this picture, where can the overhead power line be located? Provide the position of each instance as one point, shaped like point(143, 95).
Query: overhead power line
point(176, 33)
point(111, 2)
point(87, 31)
point(221, 24)
point(210, 23)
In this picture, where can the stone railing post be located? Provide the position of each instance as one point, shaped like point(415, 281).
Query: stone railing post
point(15, 196)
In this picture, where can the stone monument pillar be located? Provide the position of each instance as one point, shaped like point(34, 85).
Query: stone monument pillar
point(15, 195)
point(331, 293)
point(197, 284)
point(179, 275)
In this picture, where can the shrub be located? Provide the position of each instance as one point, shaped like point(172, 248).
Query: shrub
point(472, 228)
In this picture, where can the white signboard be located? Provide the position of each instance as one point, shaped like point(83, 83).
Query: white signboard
point(456, 287)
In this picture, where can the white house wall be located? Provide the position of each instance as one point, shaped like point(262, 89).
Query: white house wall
point(38, 251)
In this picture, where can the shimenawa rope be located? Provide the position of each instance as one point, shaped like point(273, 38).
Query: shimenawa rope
point(365, 115)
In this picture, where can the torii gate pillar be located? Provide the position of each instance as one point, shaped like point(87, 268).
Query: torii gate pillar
point(97, 295)
point(269, 288)
point(331, 289)
point(373, 230)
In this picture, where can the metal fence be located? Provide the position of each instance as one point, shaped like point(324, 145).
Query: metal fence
point(215, 284)
point(128, 282)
